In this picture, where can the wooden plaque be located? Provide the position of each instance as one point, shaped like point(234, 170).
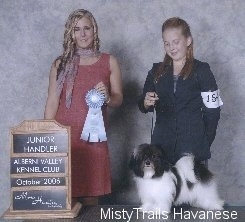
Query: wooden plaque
point(40, 171)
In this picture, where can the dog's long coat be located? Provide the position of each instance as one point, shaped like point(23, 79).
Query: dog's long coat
point(161, 185)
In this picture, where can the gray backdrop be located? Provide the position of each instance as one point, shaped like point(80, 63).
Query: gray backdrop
point(31, 33)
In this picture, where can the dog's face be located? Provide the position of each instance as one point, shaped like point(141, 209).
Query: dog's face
point(148, 161)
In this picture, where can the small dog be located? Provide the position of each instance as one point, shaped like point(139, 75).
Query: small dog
point(161, 185)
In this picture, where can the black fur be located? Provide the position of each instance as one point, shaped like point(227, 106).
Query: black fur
point(178, 183)
point(149, 153)
point(202, 173)
point(190, 185)
point(156, 155)
point(152, 160)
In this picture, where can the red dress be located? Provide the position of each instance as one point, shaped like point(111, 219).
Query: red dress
point(90, 163)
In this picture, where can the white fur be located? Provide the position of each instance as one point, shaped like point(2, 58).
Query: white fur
point(148, 172)
point(156, 194)
point(201, 195)
point(185, 167)
point(159, 193)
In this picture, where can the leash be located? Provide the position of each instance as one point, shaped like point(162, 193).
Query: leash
point(152, 123)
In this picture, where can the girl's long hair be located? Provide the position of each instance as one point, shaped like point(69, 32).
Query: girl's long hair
point(69, 44)
point(176, 22)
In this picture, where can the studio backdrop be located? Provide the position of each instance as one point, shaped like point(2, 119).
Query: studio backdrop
point(31, 35)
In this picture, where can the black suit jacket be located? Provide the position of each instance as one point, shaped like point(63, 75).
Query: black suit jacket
point(183, 123)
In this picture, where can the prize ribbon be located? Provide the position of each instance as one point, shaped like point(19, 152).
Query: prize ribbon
point(94, 128)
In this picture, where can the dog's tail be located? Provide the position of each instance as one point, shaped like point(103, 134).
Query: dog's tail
point(185, 167)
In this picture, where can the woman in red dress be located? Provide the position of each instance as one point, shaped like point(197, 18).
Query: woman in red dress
point(79, 69)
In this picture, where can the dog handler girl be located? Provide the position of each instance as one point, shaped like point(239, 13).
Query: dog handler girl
point(184, 93)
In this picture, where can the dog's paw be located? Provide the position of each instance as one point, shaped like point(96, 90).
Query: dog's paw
point(155, 209)
point(218, 206)
point(165, 210)
point(160, 210)
point(214, 205)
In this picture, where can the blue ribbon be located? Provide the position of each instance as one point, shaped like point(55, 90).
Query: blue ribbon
point(94, 129)
point(94, 99)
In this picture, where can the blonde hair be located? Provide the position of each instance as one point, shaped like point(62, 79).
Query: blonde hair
point(177, 22)
point(69, 44)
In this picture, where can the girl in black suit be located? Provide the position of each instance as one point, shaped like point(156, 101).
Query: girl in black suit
point(184, 93)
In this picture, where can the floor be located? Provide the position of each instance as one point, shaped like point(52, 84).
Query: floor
point(123, 213)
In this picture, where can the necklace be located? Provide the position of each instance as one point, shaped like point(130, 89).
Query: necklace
point(87, 53)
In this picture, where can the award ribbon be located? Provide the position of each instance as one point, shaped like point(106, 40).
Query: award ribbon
point(94, 128)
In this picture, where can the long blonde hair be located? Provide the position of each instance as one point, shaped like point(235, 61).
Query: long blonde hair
point(176, 22)
point(69, 44)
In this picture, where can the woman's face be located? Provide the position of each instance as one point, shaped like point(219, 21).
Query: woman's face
point(175, 43)
point(84, 33)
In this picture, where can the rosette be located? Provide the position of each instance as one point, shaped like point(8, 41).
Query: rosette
point(94, 128)
point(94, 99)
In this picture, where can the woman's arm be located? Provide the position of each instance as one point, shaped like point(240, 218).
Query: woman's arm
point(115, 97)
point(52, 102)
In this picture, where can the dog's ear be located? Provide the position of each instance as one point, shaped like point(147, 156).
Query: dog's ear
point(136, 153)
point(143, 146)
point(161, 148)
point(134, 163)
point(166, 165)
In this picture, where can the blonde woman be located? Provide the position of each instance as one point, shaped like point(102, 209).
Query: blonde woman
point(80, 68)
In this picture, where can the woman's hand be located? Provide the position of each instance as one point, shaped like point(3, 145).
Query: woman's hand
point(114, 97)
point(101, 87)
point(150, 99)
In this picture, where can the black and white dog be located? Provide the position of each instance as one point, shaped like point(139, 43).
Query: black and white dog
point(161, 185)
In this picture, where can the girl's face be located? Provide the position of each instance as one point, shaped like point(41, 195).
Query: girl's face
point(84, 33)
point(175, 44)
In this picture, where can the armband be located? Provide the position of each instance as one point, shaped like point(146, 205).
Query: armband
point(212, 99)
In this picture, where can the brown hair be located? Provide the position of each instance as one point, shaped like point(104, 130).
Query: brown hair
point(69, 44)
point(176, 22)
